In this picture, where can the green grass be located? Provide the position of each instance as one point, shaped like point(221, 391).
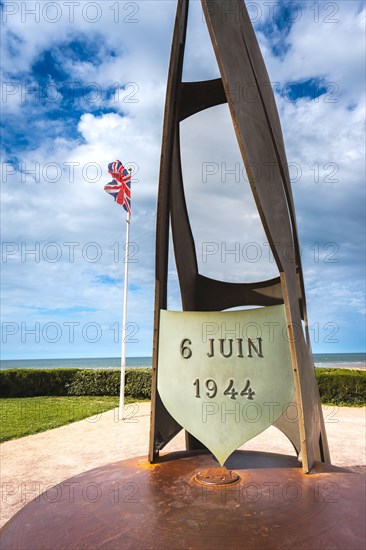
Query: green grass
point(30, 415)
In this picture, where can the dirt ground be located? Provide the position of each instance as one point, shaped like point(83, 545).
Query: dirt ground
point(33, 464)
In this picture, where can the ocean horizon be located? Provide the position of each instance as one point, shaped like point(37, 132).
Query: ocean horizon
point(321, 360)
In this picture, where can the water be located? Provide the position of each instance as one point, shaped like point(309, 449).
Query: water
point(340, 360)
point(81, 363)
point(328, 360)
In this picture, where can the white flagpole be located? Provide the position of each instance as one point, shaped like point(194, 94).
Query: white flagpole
point(124, 323)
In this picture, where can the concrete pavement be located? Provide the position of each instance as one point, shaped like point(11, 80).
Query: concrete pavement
point(34, 464)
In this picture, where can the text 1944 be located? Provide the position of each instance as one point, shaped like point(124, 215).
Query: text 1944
point(212, 389)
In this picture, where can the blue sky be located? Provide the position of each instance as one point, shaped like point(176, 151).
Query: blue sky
point(84, 84)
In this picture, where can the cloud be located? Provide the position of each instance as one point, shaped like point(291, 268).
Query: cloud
point(78, 94)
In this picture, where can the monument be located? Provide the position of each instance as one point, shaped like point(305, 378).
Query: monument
point(213, 375)
point(287, 364)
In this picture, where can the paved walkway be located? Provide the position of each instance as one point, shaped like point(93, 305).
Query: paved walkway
point(32, 464)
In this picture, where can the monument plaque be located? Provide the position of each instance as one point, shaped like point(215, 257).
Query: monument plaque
point(225, 377)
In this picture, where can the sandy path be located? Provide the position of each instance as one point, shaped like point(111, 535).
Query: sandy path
point(34, 463)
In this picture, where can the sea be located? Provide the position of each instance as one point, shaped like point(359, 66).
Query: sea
point(321, 360)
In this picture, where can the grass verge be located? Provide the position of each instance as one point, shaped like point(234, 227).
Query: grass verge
point(31, 415)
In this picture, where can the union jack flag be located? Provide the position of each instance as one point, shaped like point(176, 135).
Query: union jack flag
point(120, 186)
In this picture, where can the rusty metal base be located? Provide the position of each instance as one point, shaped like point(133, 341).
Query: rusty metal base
point(135, 505)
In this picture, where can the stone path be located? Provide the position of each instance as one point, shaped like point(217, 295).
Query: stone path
point(33, 464)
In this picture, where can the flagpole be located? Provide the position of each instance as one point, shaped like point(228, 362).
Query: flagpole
point(124, 322)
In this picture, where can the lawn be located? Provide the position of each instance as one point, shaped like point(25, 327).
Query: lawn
point(26, 416)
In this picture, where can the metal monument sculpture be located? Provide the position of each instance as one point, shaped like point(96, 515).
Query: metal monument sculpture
point(176, 356)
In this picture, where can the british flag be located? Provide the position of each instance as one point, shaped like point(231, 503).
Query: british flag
point(120, 186)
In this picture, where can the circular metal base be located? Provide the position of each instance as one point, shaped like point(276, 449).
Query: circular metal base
point(135, 505)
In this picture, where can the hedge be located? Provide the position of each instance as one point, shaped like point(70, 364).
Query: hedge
point(35, 382)
point(58, 382)
point(338, 386)
point(342, 386)
point(107, 382)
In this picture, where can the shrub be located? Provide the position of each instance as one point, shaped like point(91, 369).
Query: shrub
point(138, 383)
point(107, 382)
point(95, 382)
point(335, 385)
point(58, 382)
point(342, 386)
point(35, 382)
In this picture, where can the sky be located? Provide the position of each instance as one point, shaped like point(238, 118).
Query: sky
point(84, 84)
